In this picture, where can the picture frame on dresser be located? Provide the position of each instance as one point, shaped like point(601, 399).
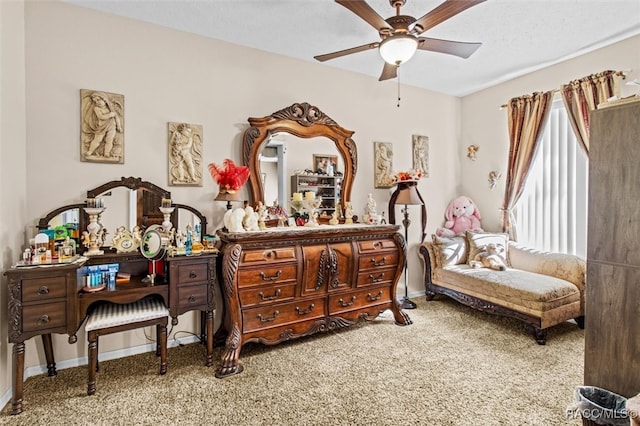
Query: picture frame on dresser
point(323, 162)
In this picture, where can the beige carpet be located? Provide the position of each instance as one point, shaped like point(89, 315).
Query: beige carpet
point(453, 366)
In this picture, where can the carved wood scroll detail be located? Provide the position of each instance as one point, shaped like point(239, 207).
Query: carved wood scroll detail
point(15, 310)
point(328, 268)
point(305, 114)
point(230, 266)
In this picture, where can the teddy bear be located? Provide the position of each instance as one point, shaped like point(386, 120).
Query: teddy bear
point(461, 215)
point(490, 257)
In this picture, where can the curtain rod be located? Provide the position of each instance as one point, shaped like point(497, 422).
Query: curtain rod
point(554, 91)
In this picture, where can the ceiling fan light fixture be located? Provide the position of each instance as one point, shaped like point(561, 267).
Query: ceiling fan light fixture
point(398, 48)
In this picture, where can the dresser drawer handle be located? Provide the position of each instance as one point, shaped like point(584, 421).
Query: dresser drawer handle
point(377, 245)
point(378, 279)
point(271, 278)
point(192, 274)
point(374, 298)
point(381, 263)
point(43, 320)
point(268, 319)
point(43, 290)
point(192, 299)
point(308, 311)
point(345, 304)
point(275, 295)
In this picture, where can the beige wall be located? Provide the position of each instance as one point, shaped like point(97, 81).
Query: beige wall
point(485, 124)
point(166, 75)
point(12, 160)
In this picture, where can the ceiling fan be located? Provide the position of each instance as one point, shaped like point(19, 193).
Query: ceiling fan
point(400, 33)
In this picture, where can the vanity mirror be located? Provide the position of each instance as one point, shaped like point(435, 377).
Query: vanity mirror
point(301, 123)
point(128, 202)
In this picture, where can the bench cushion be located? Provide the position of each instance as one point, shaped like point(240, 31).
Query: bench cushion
point(110, 314)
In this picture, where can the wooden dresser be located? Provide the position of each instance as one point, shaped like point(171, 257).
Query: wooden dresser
point(284, 283)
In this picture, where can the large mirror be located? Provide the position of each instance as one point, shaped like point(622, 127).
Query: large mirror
point(276, 146)
point(128, 202)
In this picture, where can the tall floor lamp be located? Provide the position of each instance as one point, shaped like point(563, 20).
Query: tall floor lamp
point(407, 193)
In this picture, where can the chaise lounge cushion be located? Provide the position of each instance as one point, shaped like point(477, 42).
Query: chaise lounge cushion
point(534, 294)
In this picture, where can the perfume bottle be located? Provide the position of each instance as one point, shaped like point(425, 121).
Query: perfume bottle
point(188, 244)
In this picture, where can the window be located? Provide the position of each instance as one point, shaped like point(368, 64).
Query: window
point(552, 211)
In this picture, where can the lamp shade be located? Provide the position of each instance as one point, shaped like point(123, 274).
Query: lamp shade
point(408, 196)
point(398, 48)
point(228, 195)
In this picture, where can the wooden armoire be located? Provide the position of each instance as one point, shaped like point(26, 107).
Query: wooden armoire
point(612, 326)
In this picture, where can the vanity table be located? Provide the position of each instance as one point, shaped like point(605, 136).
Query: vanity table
point(283, 283)
point(48, 299)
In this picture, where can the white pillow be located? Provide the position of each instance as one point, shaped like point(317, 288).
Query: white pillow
point(477, 240)
point(449, 251)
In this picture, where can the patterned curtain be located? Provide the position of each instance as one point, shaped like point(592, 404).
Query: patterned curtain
point(583, 96)
point(527, 117)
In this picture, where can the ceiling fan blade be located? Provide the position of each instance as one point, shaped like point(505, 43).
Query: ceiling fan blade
point(345, 52)
point(457, 48)
point(441, 13)
point(388, 72)
point(364, 11)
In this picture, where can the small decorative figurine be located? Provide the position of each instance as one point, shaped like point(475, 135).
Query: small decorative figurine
point(494, 177)
point(262, 215)
point(472, 151)
point(348, 213)
point(334, 218)
point(250, 220)
point(371, 214)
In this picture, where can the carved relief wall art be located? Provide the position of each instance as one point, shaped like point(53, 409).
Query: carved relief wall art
point(383, 152)
point(185, 154)
point(101, 127)
point(421, 154)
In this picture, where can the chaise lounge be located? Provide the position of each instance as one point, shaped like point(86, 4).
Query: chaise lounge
point(539, 288)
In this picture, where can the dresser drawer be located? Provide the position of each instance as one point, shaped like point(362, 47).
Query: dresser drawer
point(192, 296)
point(254, 257)
point(42, 289)
point(192, 273)
point(267, 275)
point(376, 277)
point(356, 300)
point(282, 313)
point(43, 316)
point(375, 245)
point(268, 294)
point(378, 260)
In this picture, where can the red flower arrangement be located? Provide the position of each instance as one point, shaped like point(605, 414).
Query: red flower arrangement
point(230, 177)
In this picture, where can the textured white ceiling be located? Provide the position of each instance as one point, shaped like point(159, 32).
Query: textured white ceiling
point(518, 36)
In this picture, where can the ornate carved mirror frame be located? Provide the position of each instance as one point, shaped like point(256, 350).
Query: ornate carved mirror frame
point(304, 121)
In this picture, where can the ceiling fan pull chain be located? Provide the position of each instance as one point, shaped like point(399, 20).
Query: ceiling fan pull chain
point(398, 87)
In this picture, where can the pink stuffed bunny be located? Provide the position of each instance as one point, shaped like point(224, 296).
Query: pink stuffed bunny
point(461, 215)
